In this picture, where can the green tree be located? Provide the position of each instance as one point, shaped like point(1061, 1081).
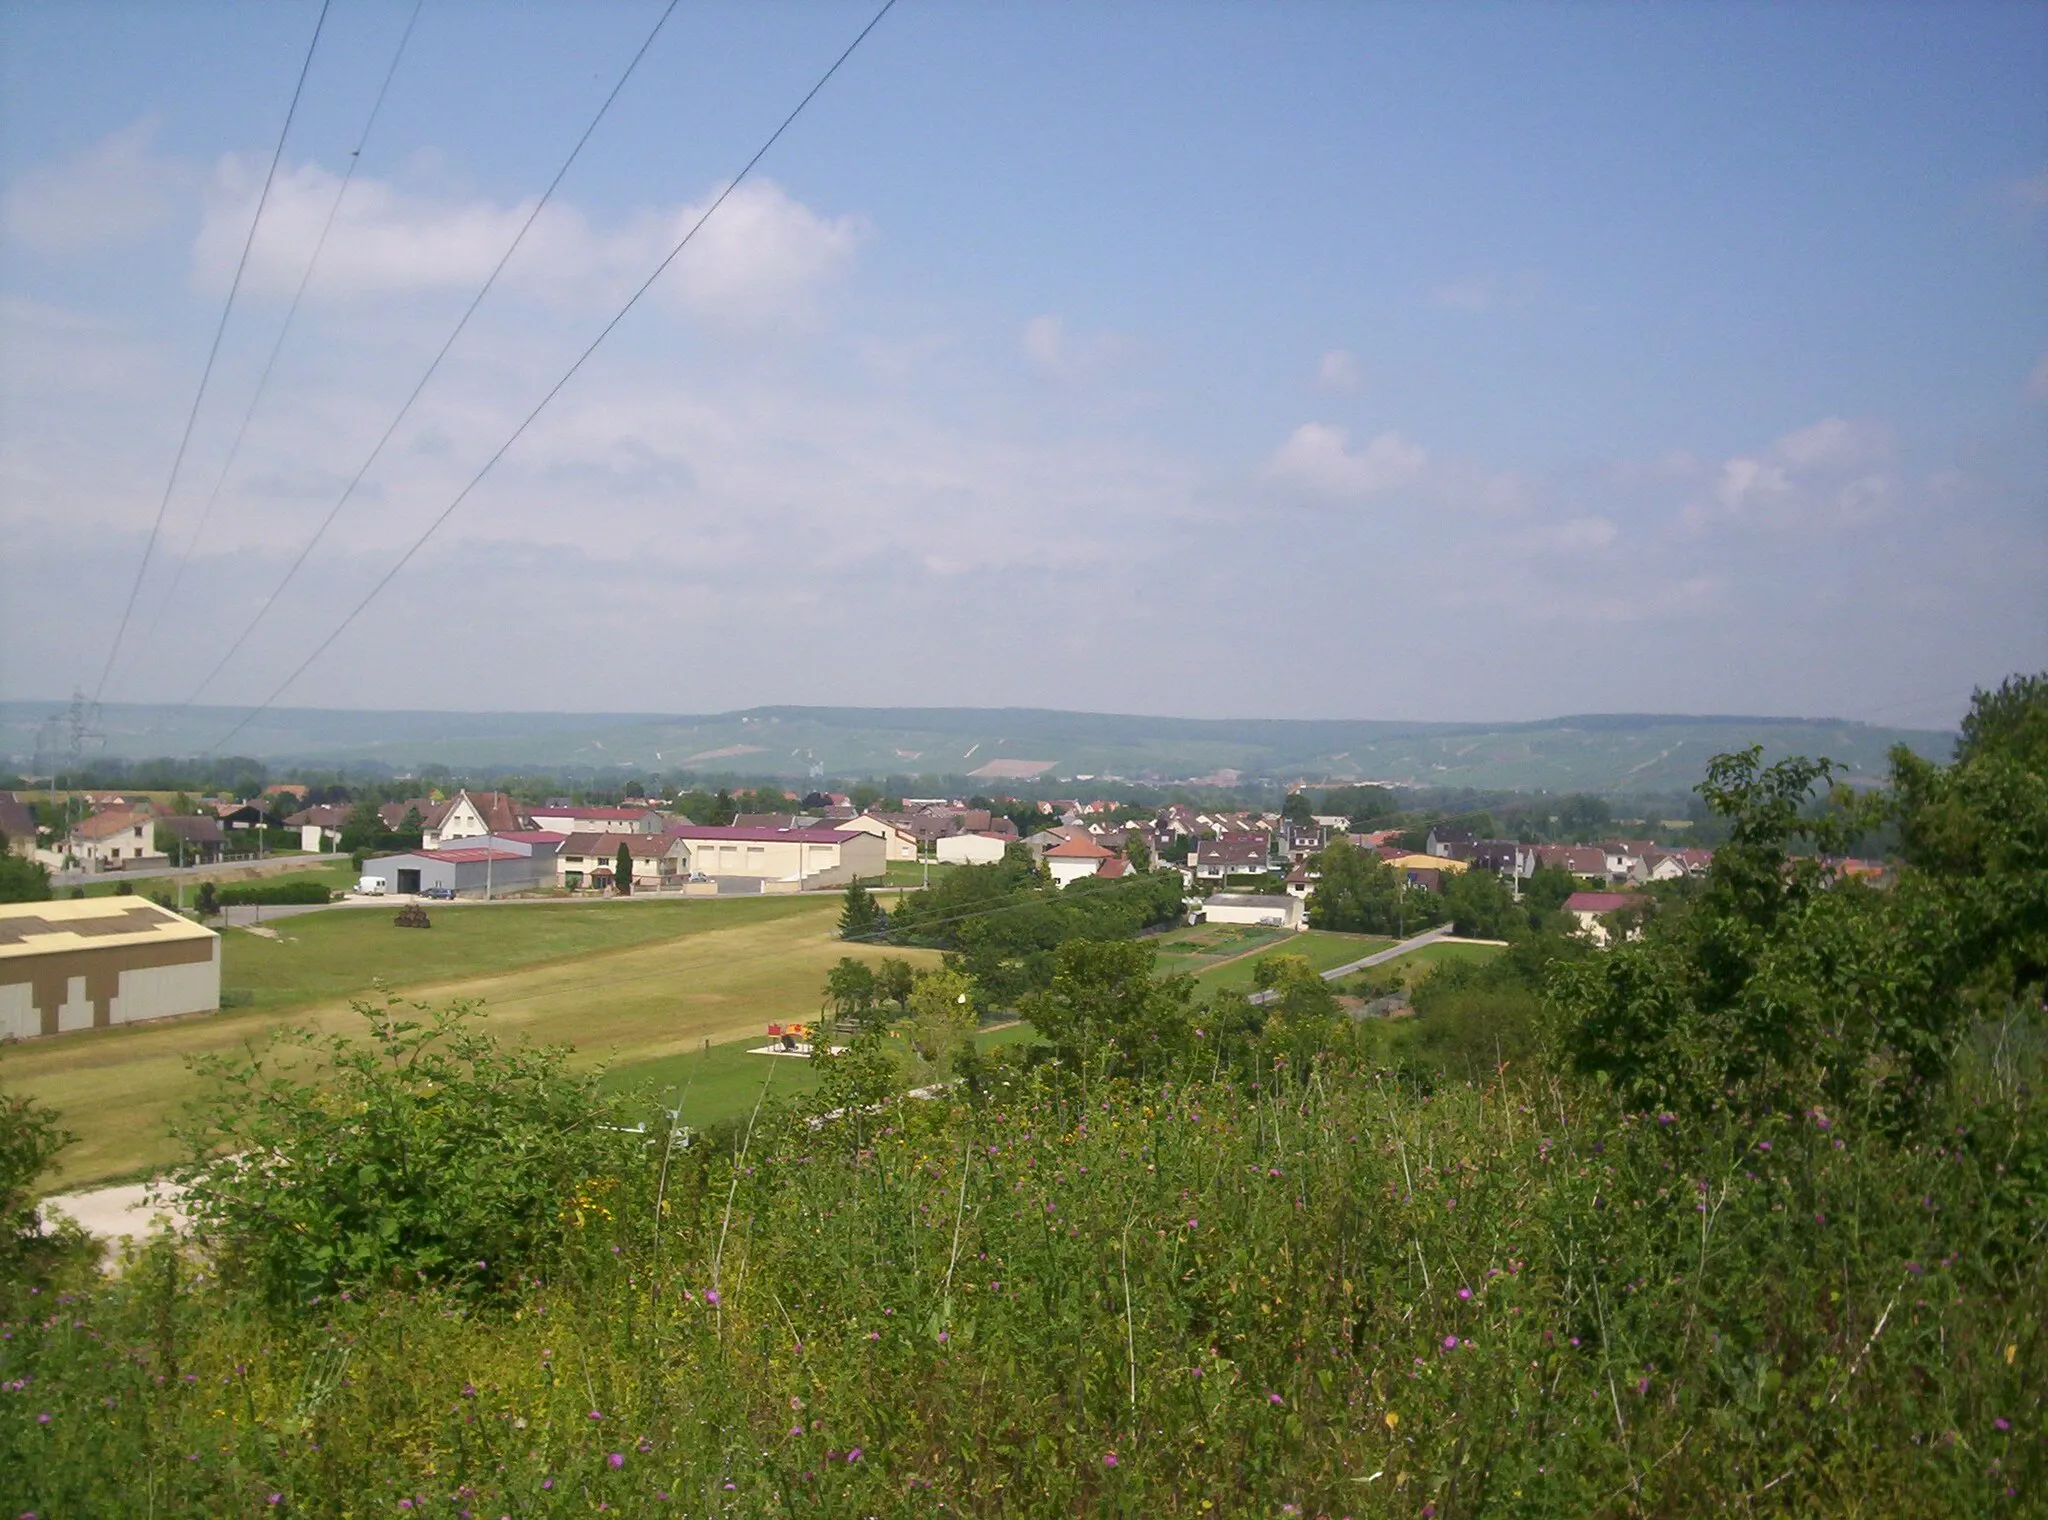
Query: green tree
point(894, 980)
point(1103, 1005)
point(1358, 894)
point(1480, 906)
point(362, 828)
point(208, 902)
point(943, 1018)
point(1780, 986)
point(1137, 852)
point(622, 871)
point(1298, 809)
point(850, 990)
point(723, 809)
point(30, 1139)
point(22, 880)
point(860, 917)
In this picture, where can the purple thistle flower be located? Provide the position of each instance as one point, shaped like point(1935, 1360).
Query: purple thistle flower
point(617, 1460)
point(1465, 1294)
point(2001, 1424)
point(711, 1297)
point(854, 1454)
point(1274, 1398)
point(1109, 1459)
point(1450, 1343)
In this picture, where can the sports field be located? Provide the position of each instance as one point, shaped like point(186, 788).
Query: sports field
point(625, 981)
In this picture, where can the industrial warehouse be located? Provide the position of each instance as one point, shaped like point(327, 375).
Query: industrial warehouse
point(93, 963)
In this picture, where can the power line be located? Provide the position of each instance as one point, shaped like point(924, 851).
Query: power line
point(348, 492)
point(206, 374)
point(556, 389)
point(355, 158)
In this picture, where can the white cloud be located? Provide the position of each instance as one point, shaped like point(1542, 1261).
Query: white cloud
point(759, 257)
point(1832, 472)
point(1340, 371)
point(116, 191)
point(1319, 458)
point(1054, 353)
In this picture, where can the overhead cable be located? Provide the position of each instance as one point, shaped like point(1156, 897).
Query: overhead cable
point(206, 374)
point(462, 322)
point(355, 158)
point(556, 389)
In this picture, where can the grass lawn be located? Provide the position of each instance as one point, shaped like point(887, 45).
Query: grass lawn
point(619, 981)
point(721, 1082)
point(1196, 947)
point(1322, 949)
point(911, 873)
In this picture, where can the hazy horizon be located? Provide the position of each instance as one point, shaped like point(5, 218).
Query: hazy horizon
point(1264, 363)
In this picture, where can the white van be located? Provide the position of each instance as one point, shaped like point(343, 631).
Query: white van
point(370, 886)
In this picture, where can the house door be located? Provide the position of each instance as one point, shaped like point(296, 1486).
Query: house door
point(408, 881)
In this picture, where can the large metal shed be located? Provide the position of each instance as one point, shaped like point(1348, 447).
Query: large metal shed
point(90, 963)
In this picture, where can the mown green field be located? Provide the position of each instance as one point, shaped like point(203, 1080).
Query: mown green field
point(719, 1082)
point(1320, 948)
point(618, 981)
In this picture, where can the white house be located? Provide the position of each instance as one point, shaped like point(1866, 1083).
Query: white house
point(1588, 908)
point(1276, 912)
point(1073, 859)
point(659, 861)
point(472, 814)
point(115, 840)
point(973, 849)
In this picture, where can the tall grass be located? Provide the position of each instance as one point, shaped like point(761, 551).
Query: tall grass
point(1344, 1295)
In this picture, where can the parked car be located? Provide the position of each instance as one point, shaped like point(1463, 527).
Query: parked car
point(446, 894)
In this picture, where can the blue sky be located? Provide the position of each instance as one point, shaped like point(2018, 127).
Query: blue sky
point(1314, 360)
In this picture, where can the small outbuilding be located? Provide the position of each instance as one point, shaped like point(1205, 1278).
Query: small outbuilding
point(973, 849)
point(1274, 911)
point(90, 963)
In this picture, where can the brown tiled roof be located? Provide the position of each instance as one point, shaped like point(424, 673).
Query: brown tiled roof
point(106, 825)
point(1077, 849)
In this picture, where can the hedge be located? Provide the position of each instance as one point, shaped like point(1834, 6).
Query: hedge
point(285, 891)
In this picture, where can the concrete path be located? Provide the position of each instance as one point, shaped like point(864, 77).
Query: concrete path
point(117, 1213)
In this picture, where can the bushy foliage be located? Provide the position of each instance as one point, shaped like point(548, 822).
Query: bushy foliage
point(22, 880)
point(427, 1152)
point(1003, 924)
point(1104, 1010)
point(1782, 986)
point(31, 1137)
point(1181, 1297)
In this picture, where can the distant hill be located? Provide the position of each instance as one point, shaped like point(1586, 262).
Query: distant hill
point(1609, 752)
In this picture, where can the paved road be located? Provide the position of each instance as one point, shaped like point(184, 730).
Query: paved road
point(1380, 957)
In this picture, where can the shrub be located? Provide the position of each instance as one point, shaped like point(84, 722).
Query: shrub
point(30, 1139)
point(429, 1153)
point(286, 891)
